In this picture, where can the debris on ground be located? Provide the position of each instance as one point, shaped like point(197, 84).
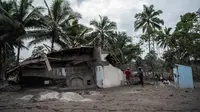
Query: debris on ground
point(47, 95)
point(27, 97)
point(130, 99)
point(166, 82)
point(89, 93)
point(94, 93)
point(9, 88)
point(53, 95)
point(71, 96)
point(84, 93)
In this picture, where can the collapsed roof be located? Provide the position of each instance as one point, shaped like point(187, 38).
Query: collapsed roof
point(56, 56)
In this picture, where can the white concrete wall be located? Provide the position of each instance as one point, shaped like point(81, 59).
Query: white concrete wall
point(112, 76)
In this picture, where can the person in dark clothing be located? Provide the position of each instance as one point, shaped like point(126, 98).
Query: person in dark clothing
point(140, 73)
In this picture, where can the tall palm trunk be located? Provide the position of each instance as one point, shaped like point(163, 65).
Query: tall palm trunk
point(53, 41)
point(52, 44)
point(1, 64)
point(4, 62)
point(149, 43)
point(102, 41)
point(18, 52)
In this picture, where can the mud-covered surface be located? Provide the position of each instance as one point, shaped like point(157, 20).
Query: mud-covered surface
point(120, 99)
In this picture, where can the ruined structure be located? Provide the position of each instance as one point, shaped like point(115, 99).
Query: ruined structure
point(76, 68)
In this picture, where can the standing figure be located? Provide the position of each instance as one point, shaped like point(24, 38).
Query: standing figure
point(141, 76)
point(128, 75)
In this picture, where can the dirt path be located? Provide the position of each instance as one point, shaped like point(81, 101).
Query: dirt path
point(120, 99)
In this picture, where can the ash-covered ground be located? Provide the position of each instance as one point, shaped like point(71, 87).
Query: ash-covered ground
point(151, 98)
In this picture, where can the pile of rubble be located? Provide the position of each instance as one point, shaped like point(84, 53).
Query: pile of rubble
point(71, 96)
point(46, 95)
point(53, 95)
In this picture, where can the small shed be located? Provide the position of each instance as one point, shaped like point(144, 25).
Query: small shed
point(183, 77)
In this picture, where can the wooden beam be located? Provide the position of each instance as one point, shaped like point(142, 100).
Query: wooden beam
point(47, 63)
point(74, 58)
point(35, 66)
point(32, 61)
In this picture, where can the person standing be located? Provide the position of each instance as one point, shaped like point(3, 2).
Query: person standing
point(128, 75)
point(141, 76)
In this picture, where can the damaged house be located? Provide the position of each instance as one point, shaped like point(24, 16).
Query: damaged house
point(77, 68)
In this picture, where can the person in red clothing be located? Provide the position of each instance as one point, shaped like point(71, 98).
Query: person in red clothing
point(128, 76)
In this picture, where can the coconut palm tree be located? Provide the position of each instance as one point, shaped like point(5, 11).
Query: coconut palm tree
point(9, 28)
point(50, 27)
point(21, 16)
point(164, 38)
point(14, 17)
point(148, 21)
point(121, 46)
point(77, 35)
point(102, 30)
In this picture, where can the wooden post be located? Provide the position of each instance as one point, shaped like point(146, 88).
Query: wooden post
point(47, 63)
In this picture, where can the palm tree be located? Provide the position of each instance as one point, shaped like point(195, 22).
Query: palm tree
point(9, 28)
point(77, 35)
point(148, 21)
point(38, 51)
point(6, 25)
point(121, 46)
point(21, 16)
point(50, 27)
point(14, 16)
point(102, 30)
point(164, 38)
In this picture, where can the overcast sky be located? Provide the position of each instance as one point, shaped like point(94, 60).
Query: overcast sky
point(123, 11)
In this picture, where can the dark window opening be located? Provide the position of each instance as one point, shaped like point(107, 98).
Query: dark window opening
point(89, 82)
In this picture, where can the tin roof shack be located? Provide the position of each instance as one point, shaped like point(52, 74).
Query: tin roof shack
point(74, 66)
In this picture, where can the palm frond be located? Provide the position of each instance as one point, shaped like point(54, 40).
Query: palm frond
point(38, 41)
point(138, 25)
point(72, 16)
point(36, 34)
point(111, 26)
point(65, 11)
point(56, 9)
point(34, 14)
point(49, 11)
point(62, 44)
point(104, 21)
point(94, 23)
point(5, 17)
point(157, 20)
point(156, 13)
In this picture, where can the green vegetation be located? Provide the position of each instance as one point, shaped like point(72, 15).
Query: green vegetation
point(180, 45)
